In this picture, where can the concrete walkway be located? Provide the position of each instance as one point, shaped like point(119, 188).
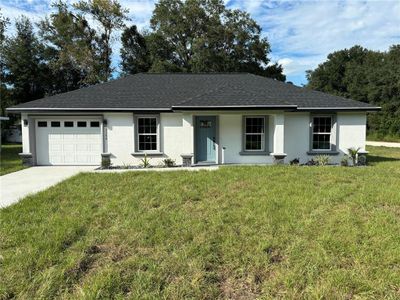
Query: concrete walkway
point(17, 185)
point(383, 144)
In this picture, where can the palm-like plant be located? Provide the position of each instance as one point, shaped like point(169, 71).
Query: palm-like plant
point(353, 153)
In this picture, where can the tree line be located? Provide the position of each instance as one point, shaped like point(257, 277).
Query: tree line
point(367, 76)
point(72, 47)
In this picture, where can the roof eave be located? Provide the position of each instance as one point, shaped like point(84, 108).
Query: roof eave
point(233, 107)
point(53, 109)
point(366, 109)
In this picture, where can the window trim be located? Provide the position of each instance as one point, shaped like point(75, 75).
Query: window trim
point(263, 151)
point(136, 133)
point(332, 138)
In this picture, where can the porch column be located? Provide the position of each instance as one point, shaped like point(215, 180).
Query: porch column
point(28, 140)
point(279, 138)
point(186, 140)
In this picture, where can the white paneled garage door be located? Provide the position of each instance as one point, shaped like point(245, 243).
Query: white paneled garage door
point(68, 142)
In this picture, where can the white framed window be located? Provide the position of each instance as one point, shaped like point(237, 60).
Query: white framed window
point(147, 129)
point(321, 133)
point(254, 133)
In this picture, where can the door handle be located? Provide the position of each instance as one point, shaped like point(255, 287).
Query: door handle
point(213, 142)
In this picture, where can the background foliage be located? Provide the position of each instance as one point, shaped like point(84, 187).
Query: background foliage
point(367, 76)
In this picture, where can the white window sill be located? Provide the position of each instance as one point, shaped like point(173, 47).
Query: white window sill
point(153, 153)
point(253, 153)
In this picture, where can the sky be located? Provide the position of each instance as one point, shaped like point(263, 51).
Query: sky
point(301, 33)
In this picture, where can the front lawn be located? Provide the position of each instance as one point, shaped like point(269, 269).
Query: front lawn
point(285, 232)
point(9, 159)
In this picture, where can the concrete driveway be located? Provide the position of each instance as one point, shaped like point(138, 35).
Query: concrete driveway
point(17, 185)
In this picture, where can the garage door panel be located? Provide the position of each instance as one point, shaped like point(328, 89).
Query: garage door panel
point(68, 145)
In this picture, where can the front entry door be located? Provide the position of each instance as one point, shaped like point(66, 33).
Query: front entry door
point(206, 139)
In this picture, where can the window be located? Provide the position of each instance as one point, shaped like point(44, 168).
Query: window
point(321, 132)
point(254, 134)
point(42, 124)
point(147, 133)
point(94, 124)
point(81, 123)
point(205, 124)
point(55, 124)
point(68, 124)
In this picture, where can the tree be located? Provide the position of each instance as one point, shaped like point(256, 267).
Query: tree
point(4, 93)
point(70, 49)
point(134, 53)
point(205, 36)
point(367, 76)
point(24, 65)
point(111, 16)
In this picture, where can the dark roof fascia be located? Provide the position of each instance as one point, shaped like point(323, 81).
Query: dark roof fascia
point(84, 110)
point(235, 107)
point(344, 109)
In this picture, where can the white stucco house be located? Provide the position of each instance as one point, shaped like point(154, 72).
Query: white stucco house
point(198, 118)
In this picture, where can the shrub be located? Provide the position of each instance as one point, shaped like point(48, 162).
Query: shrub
point(311, 162)
point(353, 153)
point(295, 161)
point(145, 161)
point(322, 160)
point(345, 161)
point(169, 162)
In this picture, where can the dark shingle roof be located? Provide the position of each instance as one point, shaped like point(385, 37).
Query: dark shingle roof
point(186, 90)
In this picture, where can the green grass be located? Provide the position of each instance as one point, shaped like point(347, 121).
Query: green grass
point(373, 136)
point(9, 159)
point(285, 232)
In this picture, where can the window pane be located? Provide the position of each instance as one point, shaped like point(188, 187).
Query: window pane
point(322, 124)
point(68, 124)
point(254, 125)
point(254, 142)
point(42, 124)
point(81, 123)
point(147, 125)
point(321, 141)
point(94, 124)
point(147, 142)
point(55, 124)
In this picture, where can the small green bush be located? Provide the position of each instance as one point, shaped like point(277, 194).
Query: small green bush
point(322, 160)
point(344, 161)
point(169, 162)
point(353, 153)
point(145, 161)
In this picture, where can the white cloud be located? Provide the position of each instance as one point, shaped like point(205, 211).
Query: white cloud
point(303, 33)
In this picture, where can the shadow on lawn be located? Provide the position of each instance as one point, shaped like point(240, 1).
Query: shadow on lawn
point(377, 158)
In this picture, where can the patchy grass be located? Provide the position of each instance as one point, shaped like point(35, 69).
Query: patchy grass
point(373, 136)
point(239, 233)
point(9, 159)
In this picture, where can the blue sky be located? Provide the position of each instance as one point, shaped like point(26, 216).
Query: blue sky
point(301, 33)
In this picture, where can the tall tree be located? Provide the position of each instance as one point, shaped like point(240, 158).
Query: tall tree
point(23, 61)
point(70, 48)
point(364, 75)
point(205, 36)
point(111, 16)
point(4, 93)
point(135, 56)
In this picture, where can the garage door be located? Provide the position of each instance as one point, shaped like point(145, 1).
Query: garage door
point(68, 142)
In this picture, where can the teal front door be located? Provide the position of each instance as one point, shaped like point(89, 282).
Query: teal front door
point(206, 139)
